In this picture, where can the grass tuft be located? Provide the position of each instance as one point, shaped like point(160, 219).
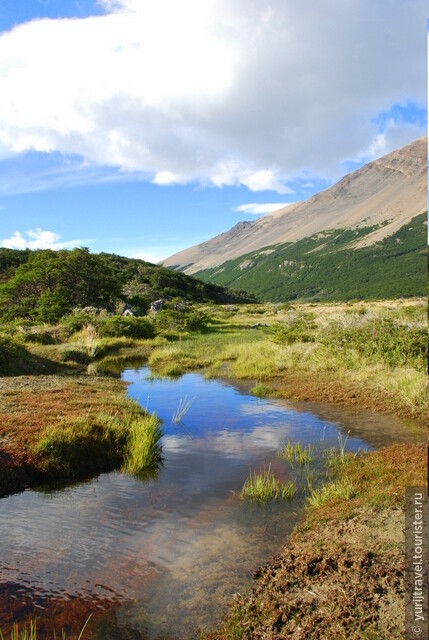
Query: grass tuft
point(262, 486)
point(143, 450)
point(31, 633)
point(100, 442)
point(297, 453)
point(332, 492)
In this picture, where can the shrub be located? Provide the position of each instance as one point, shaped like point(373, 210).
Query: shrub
point(383, 339)
point(288, 334)
point(116, 326)
point(182, 320)
point(75, 322)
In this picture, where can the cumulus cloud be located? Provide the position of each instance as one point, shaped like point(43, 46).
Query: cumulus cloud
point(39, 239)
point(256, 208)
point(214, 92)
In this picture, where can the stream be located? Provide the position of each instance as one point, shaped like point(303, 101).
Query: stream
point(161, 558)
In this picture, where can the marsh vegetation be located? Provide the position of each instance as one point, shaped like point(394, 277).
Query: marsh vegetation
point(64, 418)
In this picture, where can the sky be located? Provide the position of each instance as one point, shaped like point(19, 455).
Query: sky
point(142, 127)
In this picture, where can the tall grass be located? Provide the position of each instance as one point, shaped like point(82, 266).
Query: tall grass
point(182, 410)
point(100, 442)
point(263, 486)
point(143, 449)
point(31, 633)
point(297, 453)
point(380, 351)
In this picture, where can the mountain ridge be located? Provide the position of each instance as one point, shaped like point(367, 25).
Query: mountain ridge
point(384, 194)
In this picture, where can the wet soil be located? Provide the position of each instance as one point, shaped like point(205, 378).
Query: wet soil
point(343, 580)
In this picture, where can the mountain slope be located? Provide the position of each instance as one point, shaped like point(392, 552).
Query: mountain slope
point(385, 194)
point(334, 265)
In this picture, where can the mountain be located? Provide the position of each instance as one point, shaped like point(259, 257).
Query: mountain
point(338, 264)
point(381, 196)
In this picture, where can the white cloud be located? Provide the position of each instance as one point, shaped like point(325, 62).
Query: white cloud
point(39, 239)
point(15, 242)
point(214, 92)
point(256, 208)
point(165, 178)
point(154, 256)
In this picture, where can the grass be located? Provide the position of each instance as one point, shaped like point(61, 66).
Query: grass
point(101, 442)
point(366, 480)
point(297, 453)
point(262, 391)
point(263, 487)
point(182, 410)
point(31, 632)
point(367, 355)
point(371, 355)
point(143, 448)
point(63, 427)
point(330, 492)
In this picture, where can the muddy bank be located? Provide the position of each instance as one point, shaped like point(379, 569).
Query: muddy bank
point(307, 386)
point(338, 581)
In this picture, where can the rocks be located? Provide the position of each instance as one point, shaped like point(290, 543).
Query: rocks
point(156, 306)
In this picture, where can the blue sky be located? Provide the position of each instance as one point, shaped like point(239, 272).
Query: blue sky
point(143, 127)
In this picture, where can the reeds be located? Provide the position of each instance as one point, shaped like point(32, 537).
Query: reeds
point(342, 441)
point(263, 486)
point(31, 633)
point(182, 410)
point(292, 453)
point(143, 450)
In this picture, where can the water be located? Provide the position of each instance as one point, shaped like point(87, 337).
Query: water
point(161, 558)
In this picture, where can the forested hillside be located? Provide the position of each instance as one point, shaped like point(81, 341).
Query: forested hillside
point(44, 285)
point(326, 266)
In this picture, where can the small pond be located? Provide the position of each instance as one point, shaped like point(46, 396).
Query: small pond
point(161, 558)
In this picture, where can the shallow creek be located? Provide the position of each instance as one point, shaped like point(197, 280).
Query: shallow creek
point(161, 558)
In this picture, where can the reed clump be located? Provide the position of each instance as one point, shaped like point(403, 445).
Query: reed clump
point(295, 452)
point(263, 486)
point(143, 453)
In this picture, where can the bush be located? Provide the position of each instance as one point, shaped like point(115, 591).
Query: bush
point(75, 322)
point(397, 345)
point(117, 326)
point(178, 320)
point(297, 331)
point(11, 354)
